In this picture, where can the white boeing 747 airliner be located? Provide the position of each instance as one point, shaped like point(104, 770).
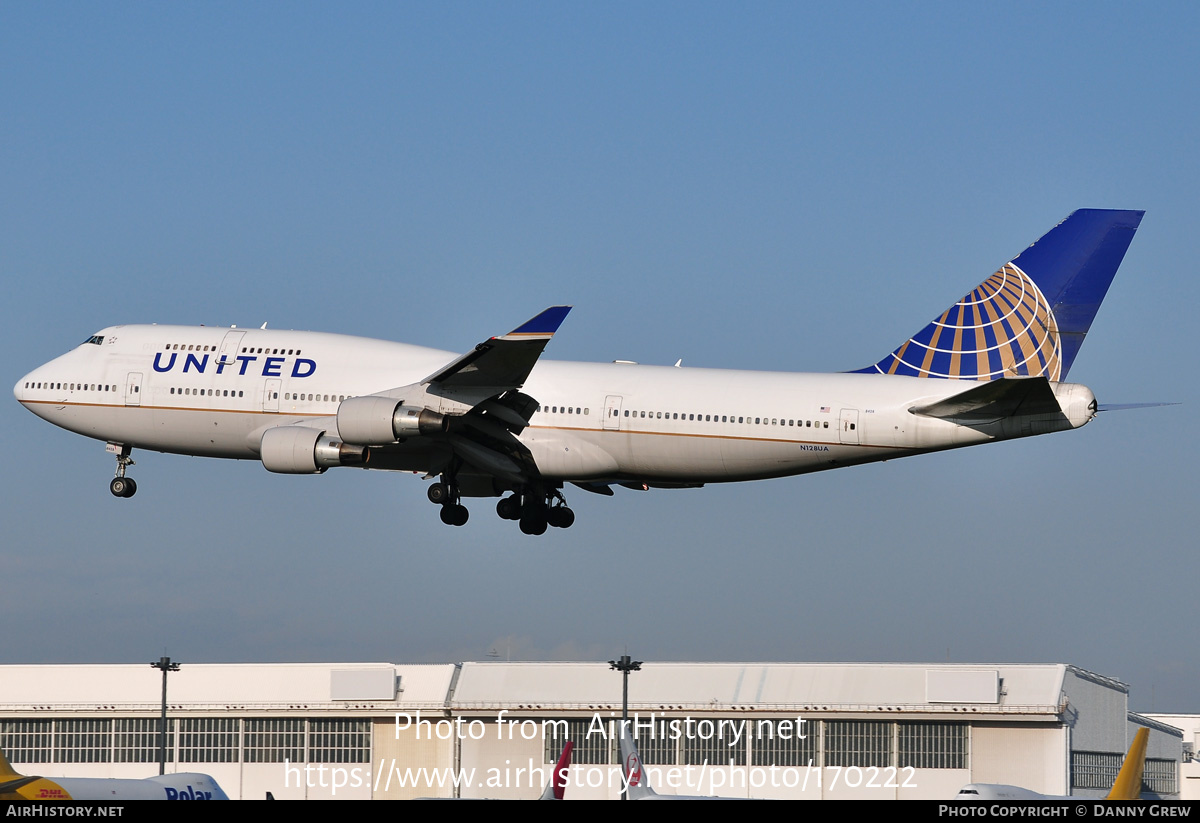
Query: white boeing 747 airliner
point(496, 421)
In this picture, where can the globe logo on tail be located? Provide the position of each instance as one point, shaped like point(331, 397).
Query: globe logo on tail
point(1004, 328)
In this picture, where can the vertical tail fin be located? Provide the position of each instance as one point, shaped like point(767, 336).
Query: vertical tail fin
point(637, 782)
point(558, 777)
point(1030, 317)
point(1128, 785)
point(12, 782)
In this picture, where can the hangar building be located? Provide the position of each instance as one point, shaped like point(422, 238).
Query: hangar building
point(493, 729)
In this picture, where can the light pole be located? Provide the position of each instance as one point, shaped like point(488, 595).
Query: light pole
point(164, 664)
point(625, 664)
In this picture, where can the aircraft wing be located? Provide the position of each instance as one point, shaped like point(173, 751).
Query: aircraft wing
point(995, 399)
point(488, 409)
point(502, 363)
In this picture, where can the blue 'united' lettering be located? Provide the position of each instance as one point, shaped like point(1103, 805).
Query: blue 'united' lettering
point(191, 360)
point(271, 366)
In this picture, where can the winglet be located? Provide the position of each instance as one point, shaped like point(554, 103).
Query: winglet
point(501, 363)
point(544, 325)
point(558, 777)
point(1128, 785)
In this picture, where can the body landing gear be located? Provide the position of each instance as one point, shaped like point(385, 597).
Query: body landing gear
point(535, 509)
point(122, 486)
point(445, 494)
point(537, 512)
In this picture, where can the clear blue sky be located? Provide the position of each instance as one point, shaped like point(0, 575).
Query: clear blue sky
point(781, 186)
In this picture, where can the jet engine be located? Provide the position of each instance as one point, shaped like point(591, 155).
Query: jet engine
point(301, 450)
point(373, 420)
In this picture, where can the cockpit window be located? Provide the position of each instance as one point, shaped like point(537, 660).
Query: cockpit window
point(95, 339)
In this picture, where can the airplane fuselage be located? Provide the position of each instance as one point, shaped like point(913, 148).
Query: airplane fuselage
point(500, 419)
point(214, 392)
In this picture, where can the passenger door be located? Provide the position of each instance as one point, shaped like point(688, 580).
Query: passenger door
point(133, 389)
point(848, 433)
point(612, 412)
point(271, 395)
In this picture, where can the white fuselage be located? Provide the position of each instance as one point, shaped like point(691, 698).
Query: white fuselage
point(180, 786)
point(214, 391)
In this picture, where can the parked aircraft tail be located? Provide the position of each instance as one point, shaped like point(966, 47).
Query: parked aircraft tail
point(1030, 317)
point(1128, 785)
point(633, 771)
point(558, 778)
point(12, 781)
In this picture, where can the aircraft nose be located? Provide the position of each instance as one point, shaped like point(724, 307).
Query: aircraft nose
point(24, 390)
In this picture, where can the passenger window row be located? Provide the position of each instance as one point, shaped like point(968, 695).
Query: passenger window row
point(207, 392)
point(268, 350)
point(71, 386)
point(320, 398)
point(201, 347)
point(726, 418)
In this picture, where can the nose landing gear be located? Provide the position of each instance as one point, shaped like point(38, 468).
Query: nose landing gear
point(122, 486)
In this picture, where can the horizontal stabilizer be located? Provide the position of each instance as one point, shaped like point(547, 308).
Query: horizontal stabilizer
point(9, 786)
point(994, 400)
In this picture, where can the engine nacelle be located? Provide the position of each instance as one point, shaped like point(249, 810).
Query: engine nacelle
point(374, 421)
point(301, 450)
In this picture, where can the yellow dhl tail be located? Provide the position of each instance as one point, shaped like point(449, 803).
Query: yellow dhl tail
point(1128, 785)
point(14, 786)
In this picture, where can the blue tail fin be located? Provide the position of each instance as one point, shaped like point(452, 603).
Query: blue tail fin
point(1031, 316)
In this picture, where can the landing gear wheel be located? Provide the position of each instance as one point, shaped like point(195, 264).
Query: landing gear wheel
point(509, 508)
point(454, 515)
point(533, 519)
point(122, 486)
point(560, 517)
point(438, 494)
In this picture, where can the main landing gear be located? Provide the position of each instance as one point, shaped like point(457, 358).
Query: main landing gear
point(122, 486)
point(445, 494)
point(535, 510)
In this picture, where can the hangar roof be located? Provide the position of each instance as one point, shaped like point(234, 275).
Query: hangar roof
point(1028, 689)
point(1035, 689)
point(260, 685)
